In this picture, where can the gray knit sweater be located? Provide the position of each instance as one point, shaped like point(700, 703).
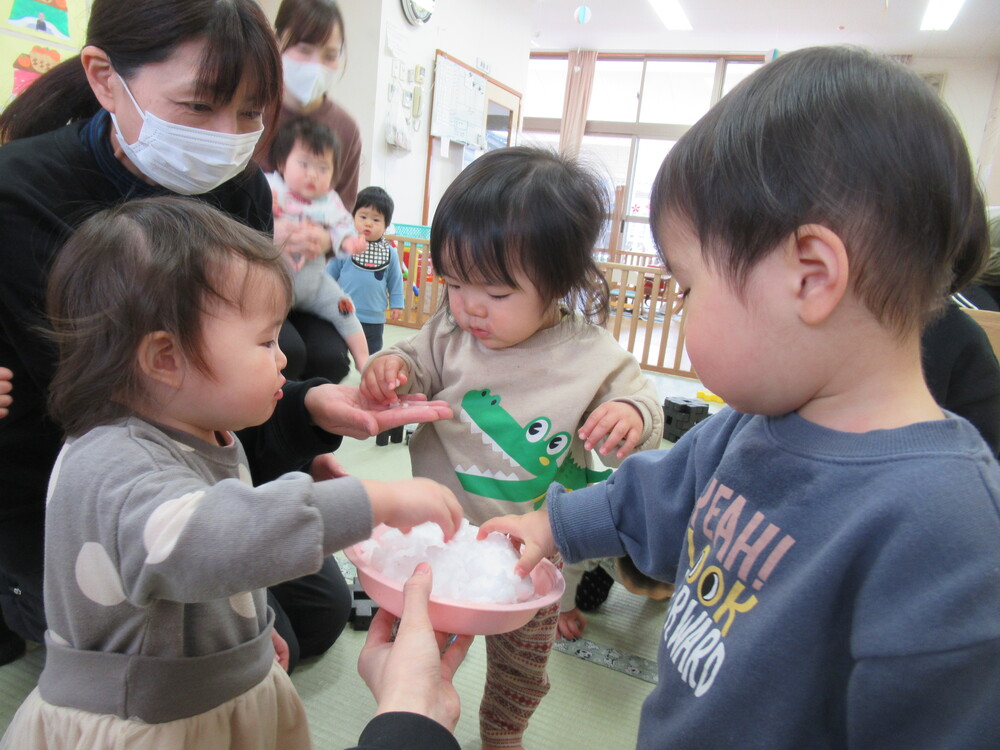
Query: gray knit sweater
point(157, 551)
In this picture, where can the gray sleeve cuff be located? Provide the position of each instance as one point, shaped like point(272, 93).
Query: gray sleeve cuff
point(346, 511)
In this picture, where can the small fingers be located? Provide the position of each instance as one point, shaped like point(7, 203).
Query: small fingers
point(377, 376)
point(615, 436)
point(498, 524)
point(631, 441)
point(456, 515)
point(597, 426)
point(369, 387)
point(531, 555)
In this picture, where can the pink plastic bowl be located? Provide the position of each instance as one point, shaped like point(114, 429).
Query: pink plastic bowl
point(463, 618)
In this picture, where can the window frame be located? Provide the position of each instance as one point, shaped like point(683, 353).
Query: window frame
point(637, 130)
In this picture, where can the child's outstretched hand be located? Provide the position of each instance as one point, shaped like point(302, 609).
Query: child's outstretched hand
point(326, 466)
point(354, 244)
point(571, 624)
point(406, 503)
point(382, 377)
point(345, 305)
point(615, 422)
point(532, 530)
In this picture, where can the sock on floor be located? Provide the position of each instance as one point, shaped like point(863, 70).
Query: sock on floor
point(595, 585)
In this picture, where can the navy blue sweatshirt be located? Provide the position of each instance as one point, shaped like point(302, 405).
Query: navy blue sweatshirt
point(834, 590)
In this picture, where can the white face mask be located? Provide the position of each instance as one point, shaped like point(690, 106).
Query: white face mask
point(306, 81)
point(187, 160)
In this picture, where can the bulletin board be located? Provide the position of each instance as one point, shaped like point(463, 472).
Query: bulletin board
point(459, 104)
point(461, 100)
point(36, 35)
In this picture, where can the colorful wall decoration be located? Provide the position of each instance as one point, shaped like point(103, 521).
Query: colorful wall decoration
point(36, 35)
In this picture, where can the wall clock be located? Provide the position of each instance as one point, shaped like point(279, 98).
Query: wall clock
point(417, 12)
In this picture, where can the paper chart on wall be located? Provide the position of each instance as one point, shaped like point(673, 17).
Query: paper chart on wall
point(459, 103)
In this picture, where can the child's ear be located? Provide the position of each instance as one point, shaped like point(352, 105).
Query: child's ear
point(97, 66)
point(161, 359)
point(819, 260)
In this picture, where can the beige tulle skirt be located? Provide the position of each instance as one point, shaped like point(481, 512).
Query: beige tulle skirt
point(269, 716)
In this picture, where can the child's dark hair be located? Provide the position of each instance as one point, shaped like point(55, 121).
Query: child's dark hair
point(316, 137)
point(525, 209)
point(147, 265)
point(847, 139)
point(377, 198)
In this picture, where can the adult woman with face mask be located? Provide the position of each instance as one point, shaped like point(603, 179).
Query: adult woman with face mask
point(166, 96)
point(311, 38)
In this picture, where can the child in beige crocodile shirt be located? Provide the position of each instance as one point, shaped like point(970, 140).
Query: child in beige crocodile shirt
point(535, 382)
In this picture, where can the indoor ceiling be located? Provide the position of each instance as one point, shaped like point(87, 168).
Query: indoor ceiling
point(892, 26)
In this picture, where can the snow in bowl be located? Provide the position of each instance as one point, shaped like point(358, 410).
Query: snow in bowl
point(475, 589)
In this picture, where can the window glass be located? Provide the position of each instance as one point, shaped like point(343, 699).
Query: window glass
point(609, 157)
point(539, 139)
point(546, 88)
point(677, 92)
point(499, 121)
point(736, 72)
point(638, 238)
point(614, 96)
point(649, 156)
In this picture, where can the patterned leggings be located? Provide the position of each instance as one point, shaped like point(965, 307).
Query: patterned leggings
point(516, 680)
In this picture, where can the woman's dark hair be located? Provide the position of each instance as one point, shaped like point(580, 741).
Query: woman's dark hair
point(144, 266)
point(525, 209)
point(377, 198)
point(134, 33)
point(847, 139)
point(316, 137)
point(309, 21)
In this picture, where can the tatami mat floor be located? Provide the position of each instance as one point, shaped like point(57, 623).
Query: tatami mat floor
point(594, 702)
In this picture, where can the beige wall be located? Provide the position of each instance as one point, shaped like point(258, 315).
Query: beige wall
point(971, 92)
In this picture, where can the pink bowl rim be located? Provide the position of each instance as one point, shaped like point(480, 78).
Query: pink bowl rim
point(545, 567)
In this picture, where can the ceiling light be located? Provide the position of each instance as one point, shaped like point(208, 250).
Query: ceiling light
point(672, 14)
point(940, 14)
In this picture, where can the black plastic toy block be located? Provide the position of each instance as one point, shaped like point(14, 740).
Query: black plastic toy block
point(395, 435)
point(363, 609)
point(681, 414)
point(363, 612)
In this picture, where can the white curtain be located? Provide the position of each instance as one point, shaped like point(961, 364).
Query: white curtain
point(579, 82)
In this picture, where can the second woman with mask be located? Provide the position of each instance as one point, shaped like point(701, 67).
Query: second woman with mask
point(311, 38)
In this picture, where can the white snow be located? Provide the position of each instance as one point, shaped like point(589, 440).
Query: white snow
point(465, 569)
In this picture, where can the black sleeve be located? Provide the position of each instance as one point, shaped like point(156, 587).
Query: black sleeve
point(288, 441)
point(962, 372)
point(405, 731)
